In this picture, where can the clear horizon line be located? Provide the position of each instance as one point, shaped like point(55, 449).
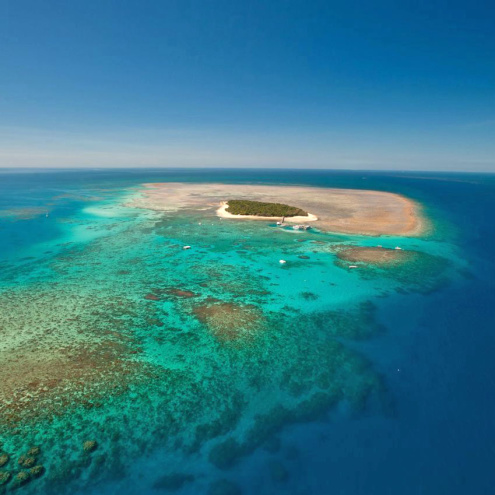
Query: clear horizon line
point(277, 169)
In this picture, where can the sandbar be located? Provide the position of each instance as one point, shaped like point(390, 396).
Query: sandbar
point(350, 211)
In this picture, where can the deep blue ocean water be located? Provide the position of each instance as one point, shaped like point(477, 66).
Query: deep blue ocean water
point(435, 354)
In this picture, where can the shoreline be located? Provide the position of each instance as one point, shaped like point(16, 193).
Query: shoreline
point(223, 213)
point(334, 210)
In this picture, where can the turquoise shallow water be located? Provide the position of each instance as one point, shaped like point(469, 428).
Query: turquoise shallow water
point(216, 369)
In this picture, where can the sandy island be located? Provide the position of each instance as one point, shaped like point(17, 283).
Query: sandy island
point(222, 212)
point(351, 211)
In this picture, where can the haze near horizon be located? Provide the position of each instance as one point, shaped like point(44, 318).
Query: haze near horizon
point(248, 84)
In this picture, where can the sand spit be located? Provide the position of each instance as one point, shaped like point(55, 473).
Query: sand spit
point(350, 211)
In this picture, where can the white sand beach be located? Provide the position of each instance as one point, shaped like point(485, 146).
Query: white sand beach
point(352, 211)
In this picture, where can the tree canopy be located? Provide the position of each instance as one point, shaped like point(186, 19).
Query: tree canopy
point(258, 208)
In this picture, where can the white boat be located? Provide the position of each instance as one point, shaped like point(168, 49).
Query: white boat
point(397, 247)
point(186, 247)
point(353, 266)
point(282, 262)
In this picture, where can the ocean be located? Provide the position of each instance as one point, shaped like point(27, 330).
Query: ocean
point(138, 367)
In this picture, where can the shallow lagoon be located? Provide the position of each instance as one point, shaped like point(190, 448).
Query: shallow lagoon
point(218, 363)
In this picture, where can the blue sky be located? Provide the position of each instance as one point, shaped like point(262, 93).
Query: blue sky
point(309, 84)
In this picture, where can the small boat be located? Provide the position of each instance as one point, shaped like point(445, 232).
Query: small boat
point(282, 262)
point(397, 247)
point(186, 247)
point(353, 266)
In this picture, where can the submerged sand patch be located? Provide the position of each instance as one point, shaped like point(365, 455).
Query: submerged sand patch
point(350, 211)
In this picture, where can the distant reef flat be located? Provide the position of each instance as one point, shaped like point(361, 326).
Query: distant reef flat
point(379, 256)
point(350, 211)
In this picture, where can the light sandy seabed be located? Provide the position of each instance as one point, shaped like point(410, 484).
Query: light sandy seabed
point(349, 211)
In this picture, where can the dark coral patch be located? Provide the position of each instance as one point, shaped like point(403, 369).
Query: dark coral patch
point(151, 297)
point(4, 477)
point(37, 471)
point(158, 293)
point(26, 461)
point(90, 446)
point(181, 293)
point(34, 451)
point(309, 296)
point(21, 478)
point(375, 255)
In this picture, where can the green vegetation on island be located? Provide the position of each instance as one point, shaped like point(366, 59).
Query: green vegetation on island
point(258, 208)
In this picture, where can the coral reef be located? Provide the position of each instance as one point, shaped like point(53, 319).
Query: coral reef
point(230, 321)
point(374, 255)
point(90, 446)
point(4, 477)
point(34, 451)
point(55, 371)
point(210, 357)
point(21, 478)
point(26, 461)
point(37, 471)
point(29, 471)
